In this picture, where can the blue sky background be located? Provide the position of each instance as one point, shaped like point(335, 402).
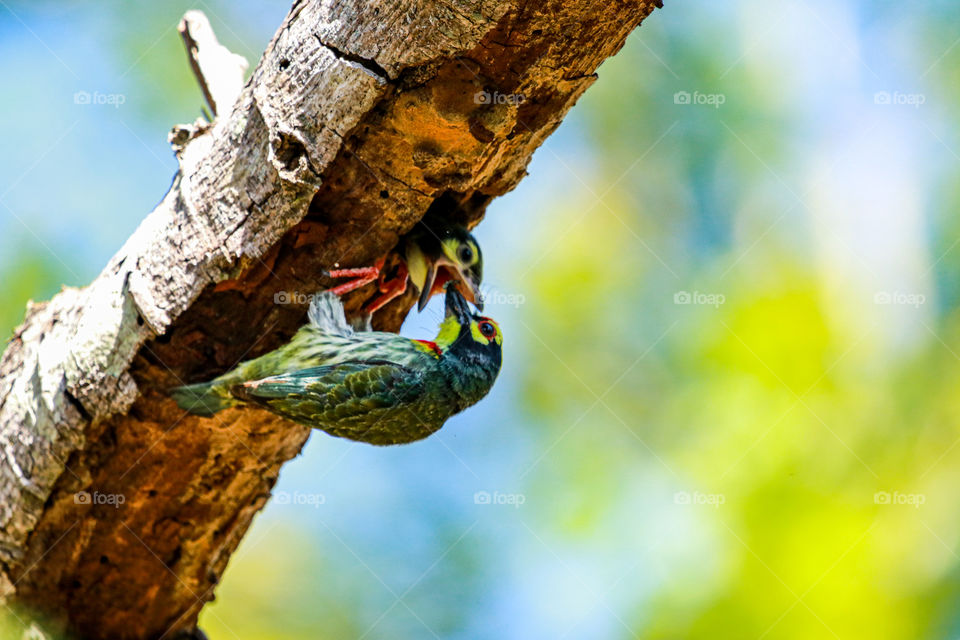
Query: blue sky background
point(815, 176)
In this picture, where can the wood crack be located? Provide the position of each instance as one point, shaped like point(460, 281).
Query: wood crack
point(369, 64)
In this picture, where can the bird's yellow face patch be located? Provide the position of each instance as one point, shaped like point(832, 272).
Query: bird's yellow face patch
point(449, 331)
point(486, 331)
point(465, 254)
point(483, 330)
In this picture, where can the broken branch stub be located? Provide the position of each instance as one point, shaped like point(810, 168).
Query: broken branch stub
point(218, 71)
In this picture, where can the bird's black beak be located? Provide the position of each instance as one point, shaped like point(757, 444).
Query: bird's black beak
point(467, 283)
point(474, 286)
point(472, 291)
point(457, 306)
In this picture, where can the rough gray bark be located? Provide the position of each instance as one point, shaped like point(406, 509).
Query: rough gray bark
point(360, 116)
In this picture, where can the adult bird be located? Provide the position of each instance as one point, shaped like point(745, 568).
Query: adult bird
point(435, 252)
point(369, 386)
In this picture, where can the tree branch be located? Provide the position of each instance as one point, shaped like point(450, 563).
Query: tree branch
point(218, 71)
point(118, 512)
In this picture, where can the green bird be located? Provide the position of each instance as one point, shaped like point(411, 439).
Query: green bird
point(435, 252)
point(369, 386)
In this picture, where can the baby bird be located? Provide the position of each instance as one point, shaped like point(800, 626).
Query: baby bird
point(434, 253)
point(368, 386)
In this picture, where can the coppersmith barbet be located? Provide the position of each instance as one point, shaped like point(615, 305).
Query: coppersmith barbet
point(369, 386)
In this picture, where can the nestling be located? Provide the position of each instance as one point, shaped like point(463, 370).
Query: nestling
point(369, 386)
point(434, 253)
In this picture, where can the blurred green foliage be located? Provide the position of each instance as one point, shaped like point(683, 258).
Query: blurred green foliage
point(32, 273)
point(729, 402)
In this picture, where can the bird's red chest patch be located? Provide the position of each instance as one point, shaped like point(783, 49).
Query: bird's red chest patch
point(431, 346)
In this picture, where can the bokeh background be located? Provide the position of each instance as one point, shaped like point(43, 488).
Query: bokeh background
point(729, 288)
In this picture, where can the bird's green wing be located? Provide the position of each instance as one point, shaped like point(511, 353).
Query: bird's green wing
point(353, 399)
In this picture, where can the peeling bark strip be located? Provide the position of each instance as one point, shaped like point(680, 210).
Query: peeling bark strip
point(360, 117)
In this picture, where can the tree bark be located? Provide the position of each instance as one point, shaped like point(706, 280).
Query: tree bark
point(360, 116)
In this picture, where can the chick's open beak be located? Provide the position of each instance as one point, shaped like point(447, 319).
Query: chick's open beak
point(443, 272)
point(465, 281)
point(469, 288)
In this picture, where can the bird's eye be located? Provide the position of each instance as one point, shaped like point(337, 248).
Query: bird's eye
point(465, 254)
point(487, 330)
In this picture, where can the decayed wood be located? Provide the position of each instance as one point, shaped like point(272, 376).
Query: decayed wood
point(360, 116)
point(219, 72)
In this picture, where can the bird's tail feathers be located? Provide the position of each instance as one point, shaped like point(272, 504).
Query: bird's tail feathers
point(203, 399)
point(326, 313)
